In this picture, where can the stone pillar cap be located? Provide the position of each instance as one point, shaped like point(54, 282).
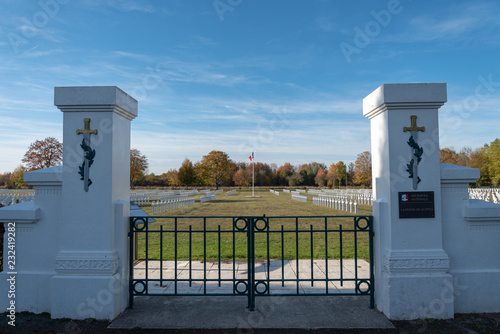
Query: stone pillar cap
point(404, 96)
point(95, 98)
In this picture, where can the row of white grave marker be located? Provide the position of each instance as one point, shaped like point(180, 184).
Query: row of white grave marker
point(14, 198)
point(17, 192)
point(274, 192)
point(299, 198)
point(231, 192)
point(171, 204)
point(485, 194)
point(361, 196)
point(336, 203)
point(210, 196)
point(146, 197)
point(140, 199)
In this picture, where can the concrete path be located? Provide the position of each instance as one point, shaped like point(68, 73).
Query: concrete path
point(304, 269)
point(284, 312)
point(229, 312)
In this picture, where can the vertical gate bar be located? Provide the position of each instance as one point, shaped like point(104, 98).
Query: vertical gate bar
point(326, 253)
point(234, 256)
point(372, 278)
point(136, 246)
point(190, 256)
point(204, 255)
point(312, 256)
point(282, 257)
point(147, 254)
point(268, 258)
point(297, 250)
point(161, 255)
point(341, 257)
point(131, 263)
point(175, 253)
point(355, 252)
point(218, 232)
point(251, 264)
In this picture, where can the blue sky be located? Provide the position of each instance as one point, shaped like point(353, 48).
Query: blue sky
point(285, 79)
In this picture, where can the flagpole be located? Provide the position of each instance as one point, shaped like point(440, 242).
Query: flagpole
point(253, 178)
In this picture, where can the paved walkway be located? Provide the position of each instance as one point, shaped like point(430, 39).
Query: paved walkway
point(221, 313)
point(290, 270)
point(229, 312)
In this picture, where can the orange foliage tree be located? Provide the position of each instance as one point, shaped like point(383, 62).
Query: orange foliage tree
point(43, 154)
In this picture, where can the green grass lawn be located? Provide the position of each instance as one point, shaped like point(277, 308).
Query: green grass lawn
point(220, 240)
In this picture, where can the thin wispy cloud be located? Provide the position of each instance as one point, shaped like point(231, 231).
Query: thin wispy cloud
point(456, 22)
point(131, 5)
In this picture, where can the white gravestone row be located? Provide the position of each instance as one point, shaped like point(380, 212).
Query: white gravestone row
point(300, 198)
point(144, 198)
point(286, 191)
point(140, 199)
point(362, 196)
point(171, 204)
point(343, 204)
point(210, 196)
point(485, 194)
point(7, 200)
point(274, 192)
point(17, 192)
point(314, 191)
point(219, 191)
point(231, 192)
point(10, 197)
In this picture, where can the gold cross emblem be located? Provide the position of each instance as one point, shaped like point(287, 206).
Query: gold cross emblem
point(414, 126)
point(86, 129)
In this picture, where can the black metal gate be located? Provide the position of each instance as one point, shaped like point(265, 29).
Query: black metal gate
point(251, 256)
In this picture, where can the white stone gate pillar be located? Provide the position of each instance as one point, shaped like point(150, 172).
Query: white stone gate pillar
point(412, 277)
point(92, 264)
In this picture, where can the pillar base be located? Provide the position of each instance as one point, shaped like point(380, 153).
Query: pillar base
point(31, 289)
point(98, 297)
point(421, 296)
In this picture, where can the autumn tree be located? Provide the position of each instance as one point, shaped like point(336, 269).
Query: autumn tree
point(17, 176)
point(263, 174)
point(349, 179)
point(243, 177)
point(363, 169)
point(6, 181)
point(331, 176)
point(341, 171)
point(478, 159)
point(218, 167)
point(43, 154)
point(201, 174)
point(486, 159)
point(283, 174)
point(173, 178)
point(492, 153)
point(309, 172)
point(138, 166)
point(320, 178)
point(295, 180)
point(187, 174)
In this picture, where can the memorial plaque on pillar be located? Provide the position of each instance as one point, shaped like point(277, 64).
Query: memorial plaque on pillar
point(416, 204)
